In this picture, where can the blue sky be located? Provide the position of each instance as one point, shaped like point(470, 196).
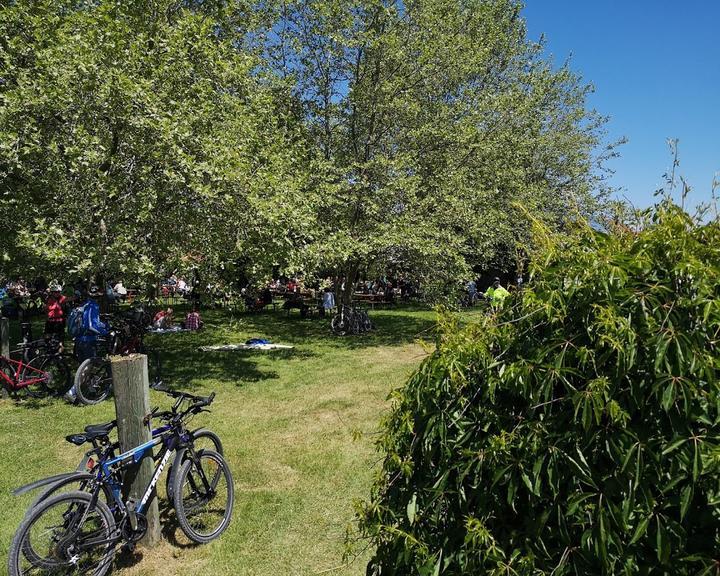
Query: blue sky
point(655, 65)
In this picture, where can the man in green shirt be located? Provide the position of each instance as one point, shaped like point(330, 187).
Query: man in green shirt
point(496, 294)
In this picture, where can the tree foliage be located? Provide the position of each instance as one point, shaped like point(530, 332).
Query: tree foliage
point(578, 432)
point(135, 135)
point(434, 117)
point(301, 134)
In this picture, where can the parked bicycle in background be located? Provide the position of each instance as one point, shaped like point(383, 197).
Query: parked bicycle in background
point(350, 320)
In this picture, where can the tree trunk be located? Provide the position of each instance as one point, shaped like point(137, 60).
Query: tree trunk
point(351, 273)
point(132, 403)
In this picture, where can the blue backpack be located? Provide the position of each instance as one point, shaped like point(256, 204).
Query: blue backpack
point(75, 321)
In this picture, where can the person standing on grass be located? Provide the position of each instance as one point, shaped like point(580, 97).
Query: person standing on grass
point(92, 327)
point(328, 300)
point(496, 294)
point(56, 308)
point(471, 288)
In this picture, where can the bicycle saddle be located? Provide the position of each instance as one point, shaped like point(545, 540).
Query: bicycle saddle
point(103, 428)
point(92, 432)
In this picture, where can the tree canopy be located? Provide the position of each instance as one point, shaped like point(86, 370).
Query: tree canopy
point(305, 135)
point(131, 140)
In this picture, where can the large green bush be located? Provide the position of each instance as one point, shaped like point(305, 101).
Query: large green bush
point(576, 433)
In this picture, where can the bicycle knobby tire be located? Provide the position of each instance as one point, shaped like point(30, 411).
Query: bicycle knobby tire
point(192, 500)
point(93, 381)
point(23, 559)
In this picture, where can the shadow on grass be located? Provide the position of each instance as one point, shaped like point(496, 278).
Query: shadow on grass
point(394, 327)
point(182, 363)
point(169, 526)
point(39, 402)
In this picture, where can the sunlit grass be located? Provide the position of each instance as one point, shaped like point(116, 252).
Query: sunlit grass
point(297, 428)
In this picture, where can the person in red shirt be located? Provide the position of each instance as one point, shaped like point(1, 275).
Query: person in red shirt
point(163, 319)
point(56, 307)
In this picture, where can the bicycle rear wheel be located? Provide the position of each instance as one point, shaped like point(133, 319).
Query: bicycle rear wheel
point(66, 535)
point(58, 372)
point(204, 496)
point(93, 381)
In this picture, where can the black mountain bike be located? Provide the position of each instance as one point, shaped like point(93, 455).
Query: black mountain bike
point(351, 320)
point(93, 379)
point(76, 532)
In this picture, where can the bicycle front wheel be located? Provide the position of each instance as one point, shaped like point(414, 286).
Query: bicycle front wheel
point(204, 496)
point(202, 439)
point(93, 380)
point(66, 535)
point(339, 325)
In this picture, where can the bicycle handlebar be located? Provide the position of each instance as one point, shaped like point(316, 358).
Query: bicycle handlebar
point(198, 400)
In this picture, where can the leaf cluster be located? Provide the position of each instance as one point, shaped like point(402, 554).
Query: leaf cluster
point(578, 431)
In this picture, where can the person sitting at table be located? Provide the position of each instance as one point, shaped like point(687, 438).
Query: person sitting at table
point(266, 297)
point(120, 291)
point(163, 319)
point(389, 293)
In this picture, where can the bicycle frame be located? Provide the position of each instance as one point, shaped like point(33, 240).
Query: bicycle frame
point(16, 383)
point(170, 445)
point(134, 456)
point(124, 460)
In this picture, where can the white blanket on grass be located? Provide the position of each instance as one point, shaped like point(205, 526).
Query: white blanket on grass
point(233, 347)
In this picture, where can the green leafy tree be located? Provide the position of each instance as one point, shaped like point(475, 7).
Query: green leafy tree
point(135, 137)
point(433, 118)
point(578, 432)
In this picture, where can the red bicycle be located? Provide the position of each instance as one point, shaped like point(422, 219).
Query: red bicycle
point(18, 376)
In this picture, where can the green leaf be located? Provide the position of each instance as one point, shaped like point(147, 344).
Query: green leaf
point(685, 499)
point(411, 508)
point(668, 397)
point(674, 446)
point(640, 529)
point(662, 542)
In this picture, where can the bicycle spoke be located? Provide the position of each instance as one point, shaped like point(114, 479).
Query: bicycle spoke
point(65, 539)
point(204, 510)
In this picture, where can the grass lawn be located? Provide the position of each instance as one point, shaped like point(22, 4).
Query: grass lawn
point(288, 421)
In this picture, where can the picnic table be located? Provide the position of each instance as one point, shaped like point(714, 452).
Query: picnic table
point(372, 300)
point(307, 306)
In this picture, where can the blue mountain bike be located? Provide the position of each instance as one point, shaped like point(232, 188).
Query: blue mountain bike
point(77, 532)
point(103, 449)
